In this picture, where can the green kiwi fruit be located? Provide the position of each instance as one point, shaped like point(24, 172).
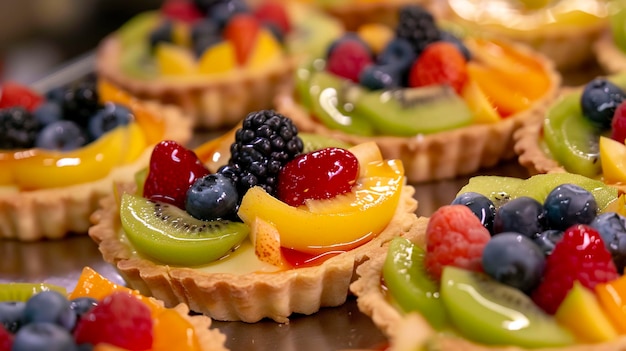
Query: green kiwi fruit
point(137, 29)
point(314, 142)
point(15, 292)
point(137, 62)
point(408, 283)
point(328, 103)
point(172, 236)
point(498, 189)
point(618, 18)
point(140, 179)
point(490, 312)
point(572, 138)
point(413, 111)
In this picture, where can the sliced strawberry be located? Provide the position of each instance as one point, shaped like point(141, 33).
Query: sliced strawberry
point(242, 30)
point(120, 319)
point(321, 174)
point(275, 13)
point(440, 63)
point(618, 123)
point(173, 169)
point(15, 94)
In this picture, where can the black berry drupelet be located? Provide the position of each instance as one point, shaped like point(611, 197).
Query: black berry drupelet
point(80, 102)
point(266, 141)
point(418, 27)
point(18, 128)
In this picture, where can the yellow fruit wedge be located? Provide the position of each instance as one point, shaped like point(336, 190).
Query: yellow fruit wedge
point(612, 297)
point(266, 241)
point(337, 223)
point(266, 49)
point(366, 153)
point(582, 314)
point(219, 58)
point(173, 60)
point(181, 34)
point(484, 112)
point(375, 35)
point(136, 143)
point(613, 160)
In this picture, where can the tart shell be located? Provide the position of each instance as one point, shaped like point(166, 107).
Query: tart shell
point(246, 297)
point(213, 102)
point(411, 331)
point(609, 56)
point(56, 212)
point(442, 155)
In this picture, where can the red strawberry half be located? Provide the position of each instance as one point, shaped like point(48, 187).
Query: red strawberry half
point(439, 63)
point(580, 255)
point(173, 169)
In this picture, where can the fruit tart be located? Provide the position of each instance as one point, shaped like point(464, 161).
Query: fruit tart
point(444, 105)
point(610, 49)
point(583, 132)
point(275, 229)
point(509, 264)
point(563, 30)
point(60, 152)
point(218, 60)
point(97, 315)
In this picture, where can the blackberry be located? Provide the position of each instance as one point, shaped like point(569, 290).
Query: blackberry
point(417, 26)
point(266, 141)
point(80, 102)
point(19, 128)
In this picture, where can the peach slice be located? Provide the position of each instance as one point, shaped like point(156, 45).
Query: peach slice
point(612, 297)
point(505, 94)
point(581, 313)
point(613, 160)
point(266, 49)
point(173, 60)
point(266, 241)
point(479, 104)
point(219, 58)
point(341, 222)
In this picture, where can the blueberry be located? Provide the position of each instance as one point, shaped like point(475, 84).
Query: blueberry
point(451, 38)
point(56, 94)
point(599, 100)
point(48, 112)
point(162, 34)
point(569, 204)
point(515, 260)
point(81, 305)
point(523, 215)
point(377, 77)
point(211, 197)
point(548, 239)
point(49, 307)
point(399, 53)
point(203, 44)
point(61, 135)
point(12, 315)
point(612, 228)
point(482, 207)
point(223, 11)
point(43, 337)
point(108, 118)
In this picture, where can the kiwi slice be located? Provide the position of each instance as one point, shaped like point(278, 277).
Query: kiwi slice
point(328, 99)
point(572, 138)
point(314, 142)
point(539, 186)
point(490, 312)
point(170, 235)
point(618, 18)
point(408, 283)
point(16, 292)
point(409, 112)
point(498, 189)
point(137, 62)
point(140, 179)
point(137, 29)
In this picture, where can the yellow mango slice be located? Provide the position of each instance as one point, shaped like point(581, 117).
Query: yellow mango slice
point(375, 35)
point(266, 49)
point(613, 160)
point(173, 60)
point(219, 58)
point(483, 110)
point(266, 241)
point(612, 297)
point(581, 313)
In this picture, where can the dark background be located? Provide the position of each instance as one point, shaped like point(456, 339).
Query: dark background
point(38, 36)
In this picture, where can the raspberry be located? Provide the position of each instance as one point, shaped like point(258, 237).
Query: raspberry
point(6, 339)
point(454, 237)
point(581, 255)
point(348, 57)
point(440, 63)
point(120, 320)
point(618, 124)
